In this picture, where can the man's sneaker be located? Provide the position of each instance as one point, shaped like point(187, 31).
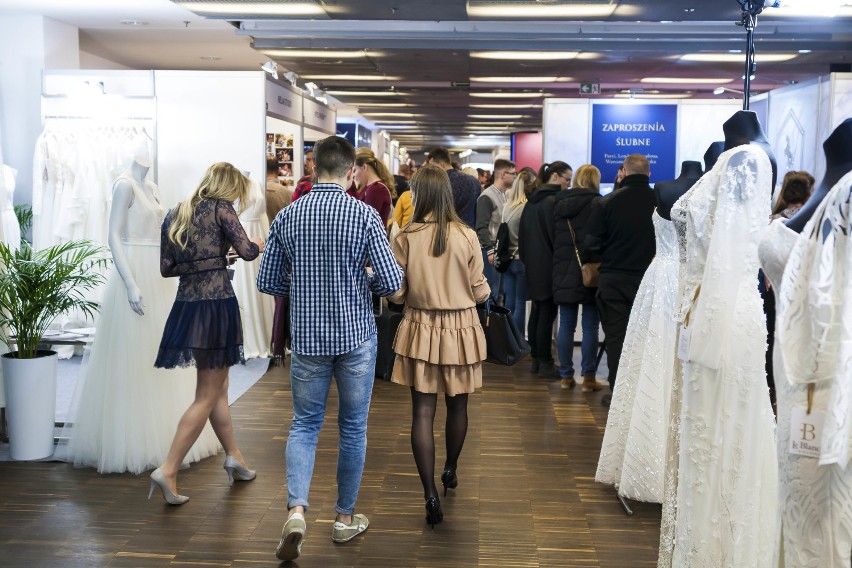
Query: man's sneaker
point(291, 538)
point(341, 532)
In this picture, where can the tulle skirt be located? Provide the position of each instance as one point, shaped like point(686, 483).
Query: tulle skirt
point(125, 412)
point(439, 351)
point(206, 333)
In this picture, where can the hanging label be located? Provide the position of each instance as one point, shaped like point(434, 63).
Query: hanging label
point(683, 340)
point(805, 432)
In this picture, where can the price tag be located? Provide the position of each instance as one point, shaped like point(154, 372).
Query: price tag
point(805, 432)
point(683, 340)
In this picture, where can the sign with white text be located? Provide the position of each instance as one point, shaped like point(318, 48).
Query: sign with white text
point(619, 130)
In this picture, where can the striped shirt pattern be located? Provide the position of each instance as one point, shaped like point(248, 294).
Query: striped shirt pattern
point(316, 254)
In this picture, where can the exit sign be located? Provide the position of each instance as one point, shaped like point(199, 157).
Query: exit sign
point(590, 88)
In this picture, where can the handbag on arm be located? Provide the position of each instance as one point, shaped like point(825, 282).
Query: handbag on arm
point(590, 270)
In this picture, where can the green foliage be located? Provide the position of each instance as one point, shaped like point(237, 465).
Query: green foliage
point(38, 286)
point(24, 213)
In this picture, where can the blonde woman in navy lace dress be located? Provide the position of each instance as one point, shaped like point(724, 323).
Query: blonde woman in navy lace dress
point(204, 327)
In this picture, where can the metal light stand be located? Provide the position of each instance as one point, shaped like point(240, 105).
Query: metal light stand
point(623, 501)
point(750, 10)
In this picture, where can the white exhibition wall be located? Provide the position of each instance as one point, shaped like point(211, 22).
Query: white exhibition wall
point(205, 117)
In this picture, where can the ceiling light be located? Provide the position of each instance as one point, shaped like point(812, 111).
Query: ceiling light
point(379, 105)
point(678, 80)
point(364, 93)
point(498, 116)
point(494, 95)
point(809, 8)
point(804, 51)
point(270, 67)
point(320, 53)
point(404, 114)
point(737, 57)
point(524, 55)
point(291, 77)
point(254, 8)
point(649, 96)
point(720, 90)
point(133, 23)
point(527, 11)
point(351, 78)
point(498, 105)
point(520, 79)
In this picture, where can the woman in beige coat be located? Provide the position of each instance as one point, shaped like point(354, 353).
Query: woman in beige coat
point(440, 344)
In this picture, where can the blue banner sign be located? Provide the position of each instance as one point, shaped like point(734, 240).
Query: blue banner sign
point(621, 130)
point(347, 131)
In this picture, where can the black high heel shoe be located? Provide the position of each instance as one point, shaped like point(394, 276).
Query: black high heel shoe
point(434, 515)
point(449, 479)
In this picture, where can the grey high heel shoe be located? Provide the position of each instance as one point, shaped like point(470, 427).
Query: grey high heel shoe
point(159, 480)
point(236, 470)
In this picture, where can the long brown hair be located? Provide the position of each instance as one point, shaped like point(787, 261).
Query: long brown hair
point(220, 181)
point(366, 156)
point(433, 202)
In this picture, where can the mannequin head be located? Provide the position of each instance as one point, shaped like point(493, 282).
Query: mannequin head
point(744, 128)
point(838, 146)
point(712, 154)
point(690, 169)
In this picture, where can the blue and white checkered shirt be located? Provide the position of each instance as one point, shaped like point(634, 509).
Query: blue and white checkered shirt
point(323, 241)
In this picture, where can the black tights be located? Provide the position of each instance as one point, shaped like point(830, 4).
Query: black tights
point(423, 437)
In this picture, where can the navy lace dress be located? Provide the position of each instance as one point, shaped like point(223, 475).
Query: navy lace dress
point(204, 327)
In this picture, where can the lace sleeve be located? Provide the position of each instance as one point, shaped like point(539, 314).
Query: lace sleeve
point(234, 232)
point(168, 264)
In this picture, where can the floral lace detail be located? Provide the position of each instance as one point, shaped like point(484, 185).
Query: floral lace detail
point(201, 265)
point(720, 507)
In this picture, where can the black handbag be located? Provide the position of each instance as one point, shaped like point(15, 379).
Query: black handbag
point(506, 345)
point(502, 255)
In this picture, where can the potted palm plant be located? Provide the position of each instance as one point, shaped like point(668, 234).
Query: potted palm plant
point(35, 288)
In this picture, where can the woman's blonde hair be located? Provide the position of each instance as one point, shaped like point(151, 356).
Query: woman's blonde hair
point(587, 177)
point(433, 201)
point(522, 184)
point(366, 156)
point(220, 181)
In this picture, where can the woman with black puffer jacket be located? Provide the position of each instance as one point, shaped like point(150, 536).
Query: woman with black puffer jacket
point(571, 213)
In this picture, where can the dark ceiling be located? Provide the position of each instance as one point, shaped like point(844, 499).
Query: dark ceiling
point(411, 67)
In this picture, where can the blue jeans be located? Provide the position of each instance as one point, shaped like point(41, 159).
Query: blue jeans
point(565, 338)
point(491, 276)
point(515, 287)
point(310, 380)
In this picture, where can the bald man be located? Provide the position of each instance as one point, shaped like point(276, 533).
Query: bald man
point(622, 232)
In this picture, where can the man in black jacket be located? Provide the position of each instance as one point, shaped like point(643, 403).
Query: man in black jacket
point(621, 230)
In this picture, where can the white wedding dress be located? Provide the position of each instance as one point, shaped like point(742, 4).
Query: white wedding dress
point(125, 412)
point(257, 309)
point(634, 446)
point(725, 510)
point(812, 277)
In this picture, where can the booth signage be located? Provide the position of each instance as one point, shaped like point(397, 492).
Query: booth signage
point(283, 103)
point(319, 116)
point(619, 130)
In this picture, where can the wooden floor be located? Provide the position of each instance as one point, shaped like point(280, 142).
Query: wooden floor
point(526, 495)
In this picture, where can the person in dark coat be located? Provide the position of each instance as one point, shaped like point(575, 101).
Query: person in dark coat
point(535, 248)
point(574, 206)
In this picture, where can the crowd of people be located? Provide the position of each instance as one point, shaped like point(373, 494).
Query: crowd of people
point(334, 230)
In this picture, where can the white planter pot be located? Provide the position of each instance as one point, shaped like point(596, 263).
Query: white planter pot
point(30, 386)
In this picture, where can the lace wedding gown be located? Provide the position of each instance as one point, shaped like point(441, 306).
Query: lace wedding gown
point(725, 493)
point(257, 309)
point(812, 277)
point(124, 413)
point(634, 446)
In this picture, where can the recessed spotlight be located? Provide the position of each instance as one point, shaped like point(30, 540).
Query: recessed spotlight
point(804, 51)
point(133, 23)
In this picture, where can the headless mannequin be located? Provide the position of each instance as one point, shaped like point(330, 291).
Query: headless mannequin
point(667, 192)
point(122, 199)
point(744, 128)
point(838, 162)
point(712, 154)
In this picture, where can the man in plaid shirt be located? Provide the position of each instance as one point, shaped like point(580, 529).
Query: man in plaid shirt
point(317, 254)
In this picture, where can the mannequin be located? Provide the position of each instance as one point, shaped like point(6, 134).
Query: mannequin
point(744, 128)
point(712, 154)
point(124, 411)
point(838, 161)
point(667, 192)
